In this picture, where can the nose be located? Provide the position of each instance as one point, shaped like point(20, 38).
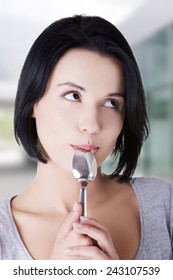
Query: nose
point(89, 122)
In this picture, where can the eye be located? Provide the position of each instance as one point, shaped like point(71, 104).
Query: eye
point(112, 104)
point(73, 96)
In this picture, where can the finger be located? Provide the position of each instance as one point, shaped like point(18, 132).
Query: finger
point(103, 238)
point(71, 218)
point(92, 222)
point(85, 253)
point(77, 211)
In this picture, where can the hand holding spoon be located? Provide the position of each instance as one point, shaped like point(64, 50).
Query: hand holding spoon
point(84, 168)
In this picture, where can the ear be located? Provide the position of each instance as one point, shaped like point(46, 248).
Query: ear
point(33, 115)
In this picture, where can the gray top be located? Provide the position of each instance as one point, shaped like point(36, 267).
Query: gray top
point(155, 199)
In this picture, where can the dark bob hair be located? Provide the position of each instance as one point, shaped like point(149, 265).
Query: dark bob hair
point(99, 35)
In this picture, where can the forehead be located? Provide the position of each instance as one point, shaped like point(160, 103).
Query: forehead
point(86, 66)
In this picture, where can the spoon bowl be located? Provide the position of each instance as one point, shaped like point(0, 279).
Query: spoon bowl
point(84, 167)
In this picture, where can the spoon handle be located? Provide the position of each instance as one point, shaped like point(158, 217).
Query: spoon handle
point(83, 200)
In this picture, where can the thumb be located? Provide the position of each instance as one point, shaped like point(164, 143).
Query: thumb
point(77, 212)
point(71, 218)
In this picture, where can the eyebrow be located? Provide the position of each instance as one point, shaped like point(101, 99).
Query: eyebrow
point(72, 85)
point(116, 94)
point(83, 89)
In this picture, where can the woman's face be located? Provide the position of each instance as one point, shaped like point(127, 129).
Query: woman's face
point(82, 108)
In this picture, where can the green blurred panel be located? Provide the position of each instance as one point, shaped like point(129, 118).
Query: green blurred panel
point(155, 58)
point(6, 124)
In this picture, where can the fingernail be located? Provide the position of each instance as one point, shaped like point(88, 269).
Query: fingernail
point(78, 225)
point(82, 218)
point(67, 251)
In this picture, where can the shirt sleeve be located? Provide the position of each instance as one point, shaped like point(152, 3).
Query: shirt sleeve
point(171, 215)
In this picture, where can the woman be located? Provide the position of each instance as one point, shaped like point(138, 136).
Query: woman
point(80, 88)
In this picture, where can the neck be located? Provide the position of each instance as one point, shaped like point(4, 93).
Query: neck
point(56, 190)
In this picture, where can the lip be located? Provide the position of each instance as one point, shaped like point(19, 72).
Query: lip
point(86, 148)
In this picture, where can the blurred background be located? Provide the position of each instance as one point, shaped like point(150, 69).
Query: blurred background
point(148, 27)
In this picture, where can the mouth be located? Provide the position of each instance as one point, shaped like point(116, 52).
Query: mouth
point(85, 148)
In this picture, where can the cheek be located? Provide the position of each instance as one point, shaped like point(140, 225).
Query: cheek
point(53, 128)
point(114, 128)
point(113, 124)
point(50, 117)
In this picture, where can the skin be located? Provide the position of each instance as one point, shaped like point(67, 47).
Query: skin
point(83, 104)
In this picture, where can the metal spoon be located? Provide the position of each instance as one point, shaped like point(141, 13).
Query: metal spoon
point(84, 168)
